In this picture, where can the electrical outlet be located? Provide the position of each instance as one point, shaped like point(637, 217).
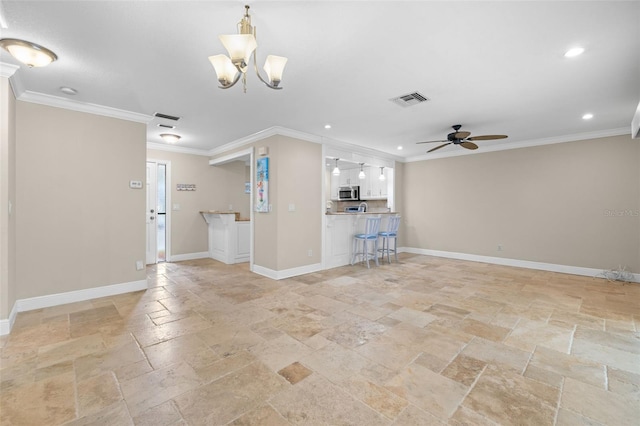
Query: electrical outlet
point(310, 253)
point(499, 247)
point(139, 265)
point(230, 207)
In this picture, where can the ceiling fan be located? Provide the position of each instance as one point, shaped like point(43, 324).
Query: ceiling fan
point(462, 138)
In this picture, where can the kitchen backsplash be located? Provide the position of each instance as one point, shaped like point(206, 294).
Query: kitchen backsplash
point(372, 205)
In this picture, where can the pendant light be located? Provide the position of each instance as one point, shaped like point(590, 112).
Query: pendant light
point(336, 170)
point(381, 177)
point(361, 175)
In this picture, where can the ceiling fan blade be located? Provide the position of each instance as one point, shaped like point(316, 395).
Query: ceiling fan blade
point(469, 145)
point(486, 137)
point(444, 140)
point(462, 135)
point(438, 147)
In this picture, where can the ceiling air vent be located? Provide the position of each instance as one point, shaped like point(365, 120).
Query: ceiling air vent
point(166, 126)
point(167, 116)
point(410, 99)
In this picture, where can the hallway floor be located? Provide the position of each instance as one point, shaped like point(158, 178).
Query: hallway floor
point(426, 341)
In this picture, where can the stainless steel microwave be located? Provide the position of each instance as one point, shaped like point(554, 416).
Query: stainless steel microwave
point(349, 193)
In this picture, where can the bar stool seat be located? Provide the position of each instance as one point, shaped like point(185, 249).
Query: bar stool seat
point(369, 238)
point(391, 233)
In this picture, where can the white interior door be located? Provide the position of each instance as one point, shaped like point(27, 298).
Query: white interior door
point(152, 191)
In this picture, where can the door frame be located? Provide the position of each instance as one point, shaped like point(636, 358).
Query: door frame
point(233, 157)
point(168, 206)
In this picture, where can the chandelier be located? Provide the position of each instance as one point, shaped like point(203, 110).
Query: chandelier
point(241, 47)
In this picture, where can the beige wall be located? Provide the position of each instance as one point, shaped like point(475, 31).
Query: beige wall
point(216, 188)
point(78, 224)
point(7, 195)
point(283, 238)
point(555, 204)
point(299, 171)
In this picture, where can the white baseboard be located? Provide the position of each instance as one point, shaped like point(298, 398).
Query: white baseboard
point(287, 273)
point(49, 300)
point(7, 324)
point(188, 256)
point(551, 267)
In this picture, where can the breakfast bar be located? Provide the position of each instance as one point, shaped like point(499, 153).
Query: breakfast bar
point(229, 236)
point(340, 229)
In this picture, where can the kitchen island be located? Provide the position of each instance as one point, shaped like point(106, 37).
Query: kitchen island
point(340, 229)
point(229, 236)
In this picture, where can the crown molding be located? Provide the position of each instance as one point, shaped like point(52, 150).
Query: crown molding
point(8, 70)
point(333, 144)
point(263, 134)
point(59, 102)
point(525, 144)
point(177, 149)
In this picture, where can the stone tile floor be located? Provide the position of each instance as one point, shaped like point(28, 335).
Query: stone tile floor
point(420, 342)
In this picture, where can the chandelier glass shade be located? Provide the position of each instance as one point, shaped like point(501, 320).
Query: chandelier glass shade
point(240, 48)
point(381, 177)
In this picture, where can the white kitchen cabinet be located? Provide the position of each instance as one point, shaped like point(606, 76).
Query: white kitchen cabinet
point(229, 239)
point(348, 177)
point(338, 240)
point(375, 188)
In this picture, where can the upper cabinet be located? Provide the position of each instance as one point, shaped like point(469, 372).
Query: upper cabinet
point(371, 187)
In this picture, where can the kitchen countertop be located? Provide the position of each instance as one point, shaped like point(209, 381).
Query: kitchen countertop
point(357, 213)
point(237, 214)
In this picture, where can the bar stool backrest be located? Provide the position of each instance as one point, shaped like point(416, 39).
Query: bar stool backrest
point(372, 226)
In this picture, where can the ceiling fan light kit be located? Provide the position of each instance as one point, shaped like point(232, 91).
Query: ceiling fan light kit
point(241, 47)
point(463, 139)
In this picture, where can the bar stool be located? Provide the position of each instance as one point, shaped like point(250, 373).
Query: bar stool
point(370, 236)
point(390, 233)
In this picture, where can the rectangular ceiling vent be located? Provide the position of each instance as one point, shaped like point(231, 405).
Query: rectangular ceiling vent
point(410, 99)
point(167, 116)
point(166, 126)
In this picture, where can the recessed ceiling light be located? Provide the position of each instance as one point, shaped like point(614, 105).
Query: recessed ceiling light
point(68, 90)
point(587, 116)
point(399, 147)
point(573, 52)
point(327, 126)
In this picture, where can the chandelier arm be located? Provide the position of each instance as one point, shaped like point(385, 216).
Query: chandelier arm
point(235, 80)
point(255, 66)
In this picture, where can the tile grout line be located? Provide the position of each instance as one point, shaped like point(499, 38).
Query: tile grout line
point(555, 418)
point(573, 333)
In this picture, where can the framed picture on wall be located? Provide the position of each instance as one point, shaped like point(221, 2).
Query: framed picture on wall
point(262, 185)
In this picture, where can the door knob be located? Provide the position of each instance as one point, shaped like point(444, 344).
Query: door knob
point(152, 210)
point(151, 218)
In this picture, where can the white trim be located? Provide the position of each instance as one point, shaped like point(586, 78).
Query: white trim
point(59, 102)
point(263, 134)
point(188, 256)
point(231, 157)
point(39, 302)
point(7, 70)
point(542, 266)
point(7, 324)
point(635, 124)
point(524, 144)
point(287, 273)
point(79, 295)
point(178, 149)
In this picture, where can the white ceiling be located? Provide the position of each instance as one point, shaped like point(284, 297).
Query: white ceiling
point(494, 67)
